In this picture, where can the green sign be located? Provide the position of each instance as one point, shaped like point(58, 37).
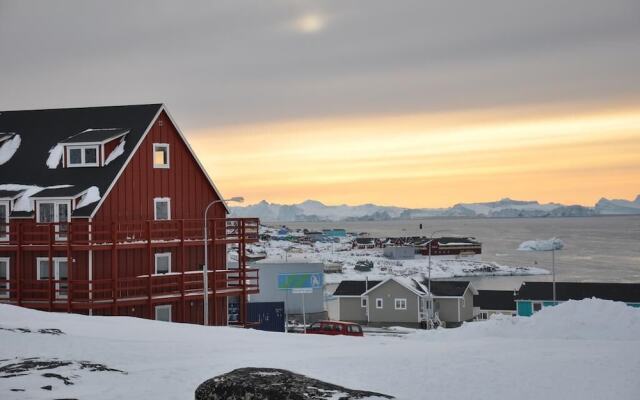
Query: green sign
point(308, 280)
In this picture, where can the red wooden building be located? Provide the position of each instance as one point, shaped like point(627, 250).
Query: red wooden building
point(101, 212)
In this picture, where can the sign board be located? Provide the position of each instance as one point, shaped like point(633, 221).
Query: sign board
point(302, 291)
point(304, 280)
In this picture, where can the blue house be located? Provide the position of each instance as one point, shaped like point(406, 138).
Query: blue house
point(335, 232)
point(533, 296)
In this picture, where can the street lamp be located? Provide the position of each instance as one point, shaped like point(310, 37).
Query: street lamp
point(536, 246)
point(205, 269)
point(429, 269)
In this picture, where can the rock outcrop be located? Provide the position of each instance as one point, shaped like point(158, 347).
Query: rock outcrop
point(275, 384)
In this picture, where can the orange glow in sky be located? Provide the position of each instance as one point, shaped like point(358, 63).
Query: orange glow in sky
point(430, 160)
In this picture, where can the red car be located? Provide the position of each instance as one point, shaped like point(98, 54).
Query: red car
point(335, 328)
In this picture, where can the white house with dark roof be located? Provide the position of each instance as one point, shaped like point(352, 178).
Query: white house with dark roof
point(404, 302)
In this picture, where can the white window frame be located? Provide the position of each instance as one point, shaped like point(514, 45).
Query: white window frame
point(4, 219)
point(83, 162)
point(158, 255)
point(56, 214)
point(155, 209)
point(164, 307)
point(395, 303)
point(363, 302)
point(379, 303)
point(6, 295)
point(56, 273)
point(157, 146)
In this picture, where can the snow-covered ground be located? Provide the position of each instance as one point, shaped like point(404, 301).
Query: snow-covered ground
point(578, 350)
point(441, 266)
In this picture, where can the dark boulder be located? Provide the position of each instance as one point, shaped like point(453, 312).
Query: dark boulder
point(275, 384)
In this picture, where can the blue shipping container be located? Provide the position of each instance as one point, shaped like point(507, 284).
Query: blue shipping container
point(268, 316)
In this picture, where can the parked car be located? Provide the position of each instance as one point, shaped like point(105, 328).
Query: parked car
point(335, 328)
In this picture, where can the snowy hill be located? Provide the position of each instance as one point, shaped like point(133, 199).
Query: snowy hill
point(312, 210)
point(578, 350)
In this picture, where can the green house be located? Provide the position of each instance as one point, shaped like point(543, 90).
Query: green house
point(534, 296)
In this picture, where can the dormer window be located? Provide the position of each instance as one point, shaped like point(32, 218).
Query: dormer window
point(160, 155)
point(89, 148)
point(82, 156)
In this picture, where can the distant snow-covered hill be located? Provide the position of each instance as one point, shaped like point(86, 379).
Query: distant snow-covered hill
point(313, 210)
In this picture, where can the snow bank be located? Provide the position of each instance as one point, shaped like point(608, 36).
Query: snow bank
point(577, 350)
point(541, 245)
point(9, 148)
point(55, 155)
point(91, 196)
point(588, 319)
point(117, 152)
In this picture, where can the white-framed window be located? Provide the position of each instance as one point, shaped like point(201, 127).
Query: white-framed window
point(60, 273)
point(161, 208)
point(482, 316)
point(160, 155)
point(163, 313)
point(163, 263)
point(83, 156)
point(363, 301)
point(56, 211)
point(379, 303)
point(400, 304)
point(4, 220)
point(4, 277)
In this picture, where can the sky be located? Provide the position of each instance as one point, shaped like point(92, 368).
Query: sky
point(407, 103)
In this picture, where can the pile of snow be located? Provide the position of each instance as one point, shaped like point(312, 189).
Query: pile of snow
point(55, 155)
point(92, 195)
point(117, 152)
point(577, 350)
point(541, 245)
point(8, 148)
point(588, 319)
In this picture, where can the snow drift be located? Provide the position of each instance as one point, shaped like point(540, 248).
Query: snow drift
point(577, 350)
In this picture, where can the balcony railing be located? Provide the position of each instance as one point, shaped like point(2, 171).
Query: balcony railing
point(96, 234)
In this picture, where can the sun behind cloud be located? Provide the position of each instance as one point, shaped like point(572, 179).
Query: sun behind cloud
point(310, 23)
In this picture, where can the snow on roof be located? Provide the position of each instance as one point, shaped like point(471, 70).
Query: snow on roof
point(23, 202)
point(91, 196)
point(55, 155)
point(8, 146)
point(93, 135)
point(117, 152)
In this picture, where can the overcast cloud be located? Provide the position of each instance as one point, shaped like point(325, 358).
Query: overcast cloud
point(236, 62)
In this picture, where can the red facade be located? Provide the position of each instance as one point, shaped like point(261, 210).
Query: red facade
point(111, 257)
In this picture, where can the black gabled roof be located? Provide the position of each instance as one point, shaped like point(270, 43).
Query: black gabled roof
point(92, 135)
point(495, 300)
point(70, 191)
point(41, 130)
point(626, 292)
point(354, 288)
point(9, 194)
point(447, 288)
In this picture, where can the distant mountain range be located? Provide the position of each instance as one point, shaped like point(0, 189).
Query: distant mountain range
point(313, 210)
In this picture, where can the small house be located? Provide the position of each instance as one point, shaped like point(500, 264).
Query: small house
point(489, 302)
point(399, 252)
point(404, 301)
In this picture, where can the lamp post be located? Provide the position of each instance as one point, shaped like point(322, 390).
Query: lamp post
point(554, 241)
point(205, 269)
point(429, 269)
